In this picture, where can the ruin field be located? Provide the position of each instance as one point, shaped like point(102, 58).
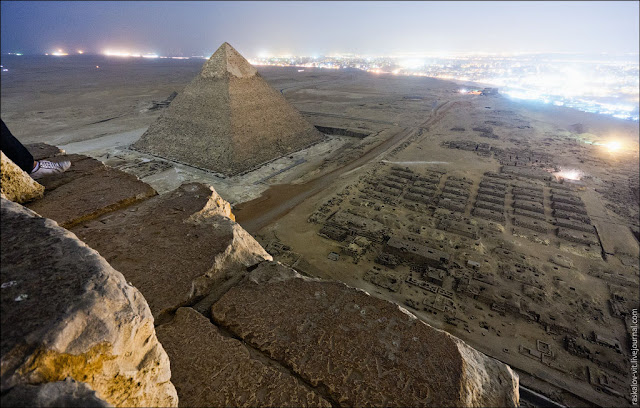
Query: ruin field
point(448, 204)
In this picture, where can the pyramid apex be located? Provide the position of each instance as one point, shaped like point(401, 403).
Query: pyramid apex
point(225, 62)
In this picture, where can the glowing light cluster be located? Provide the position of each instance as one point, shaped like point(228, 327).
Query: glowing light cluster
point(569, 174)
point(613, 145)
point(604, 85)
point(112, 53)
point(412, 63)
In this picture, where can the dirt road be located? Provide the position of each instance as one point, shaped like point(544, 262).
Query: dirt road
point(279, 199)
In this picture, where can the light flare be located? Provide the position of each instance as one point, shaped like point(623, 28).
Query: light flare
point(569, 174)
point(613, 145)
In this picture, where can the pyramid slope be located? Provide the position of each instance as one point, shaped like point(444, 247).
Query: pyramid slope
point(228, 120)
point(226, 61)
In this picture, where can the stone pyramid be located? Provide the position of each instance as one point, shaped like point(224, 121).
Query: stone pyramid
point(228, 120)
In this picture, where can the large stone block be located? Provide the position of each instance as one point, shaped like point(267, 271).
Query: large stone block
point(17, 185)
point(190, 246)
point(67, 313)
point(362, 350)
point(83, 195)
point(212, 370)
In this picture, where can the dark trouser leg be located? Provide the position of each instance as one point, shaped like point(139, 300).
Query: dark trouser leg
point(14, 150)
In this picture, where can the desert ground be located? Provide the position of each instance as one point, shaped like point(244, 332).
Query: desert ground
point(445, 203)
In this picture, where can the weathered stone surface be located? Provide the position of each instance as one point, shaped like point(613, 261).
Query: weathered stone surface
point(228, 120)
point(216, 205)
point(43, 150)
point(362, 350)
point(17, 185)
point(176, 248)
point(88, 190)
point(67, 393)
point(210, 370)
point(81, 166)
point(67, 313)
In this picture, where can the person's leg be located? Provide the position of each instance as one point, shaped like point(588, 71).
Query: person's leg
point(15, 150)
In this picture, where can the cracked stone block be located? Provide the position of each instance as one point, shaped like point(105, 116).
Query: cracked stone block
point(360, 349)
point(212, 370)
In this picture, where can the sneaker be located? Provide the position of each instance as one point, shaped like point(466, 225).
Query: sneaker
point(46, 167)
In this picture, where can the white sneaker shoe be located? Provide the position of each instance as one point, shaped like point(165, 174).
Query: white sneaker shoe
point(46, 167)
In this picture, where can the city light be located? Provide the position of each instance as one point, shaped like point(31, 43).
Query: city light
point(111, 53)
point(126, 54)
point(591, 85)
point(411, 63)
point(613, 146)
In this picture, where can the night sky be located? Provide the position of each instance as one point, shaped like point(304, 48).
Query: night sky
point(320, 28)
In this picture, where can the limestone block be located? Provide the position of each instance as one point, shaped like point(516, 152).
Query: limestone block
point(362, 350)
point(89, 193)
point(190, 246)
point(67, 313)
point(211, 370)
point(17, 185)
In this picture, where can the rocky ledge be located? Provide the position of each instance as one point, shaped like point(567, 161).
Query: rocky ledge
point(66, 313)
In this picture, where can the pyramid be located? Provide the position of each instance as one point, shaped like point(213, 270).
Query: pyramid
point(228, 120)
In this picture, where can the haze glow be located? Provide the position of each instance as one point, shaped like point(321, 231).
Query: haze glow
point(321, 28)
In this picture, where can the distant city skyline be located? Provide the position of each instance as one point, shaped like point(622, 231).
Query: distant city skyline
point(321, 28)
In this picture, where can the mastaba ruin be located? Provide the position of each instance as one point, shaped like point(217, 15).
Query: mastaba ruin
point(228, 120)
